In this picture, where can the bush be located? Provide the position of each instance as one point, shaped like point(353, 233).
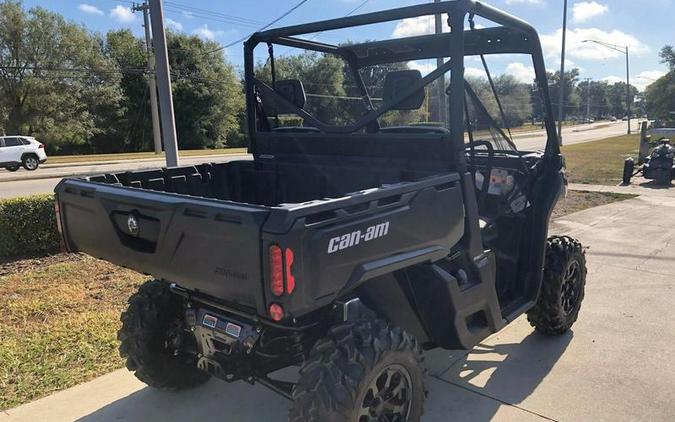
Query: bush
point(28, 226)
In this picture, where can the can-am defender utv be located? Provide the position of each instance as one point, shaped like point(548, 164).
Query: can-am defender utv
point(346, 246)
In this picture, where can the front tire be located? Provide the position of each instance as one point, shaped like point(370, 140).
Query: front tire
point(151, 326)
point(30, 162)
point(361, 371)
point(562, 289)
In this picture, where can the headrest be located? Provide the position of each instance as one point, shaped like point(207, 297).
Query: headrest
point(395, 83)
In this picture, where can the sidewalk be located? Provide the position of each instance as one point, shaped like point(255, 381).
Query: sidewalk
point(616, 365)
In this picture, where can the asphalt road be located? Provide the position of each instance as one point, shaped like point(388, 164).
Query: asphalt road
point(22, 183)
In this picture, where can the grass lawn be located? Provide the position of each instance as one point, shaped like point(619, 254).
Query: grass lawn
point(61, 159)
point(580, 200)
point(600, 162)
point(59, 325)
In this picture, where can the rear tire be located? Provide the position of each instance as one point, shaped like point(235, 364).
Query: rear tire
point(12, 168)
point(153, 315)
point(361, 371)
point(628, 168)
point(562, 289)
point(30, 162)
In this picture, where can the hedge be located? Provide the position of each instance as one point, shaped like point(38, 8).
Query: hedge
point(28, 227)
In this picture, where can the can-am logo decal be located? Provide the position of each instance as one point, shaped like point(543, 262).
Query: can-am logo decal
point(354, 238)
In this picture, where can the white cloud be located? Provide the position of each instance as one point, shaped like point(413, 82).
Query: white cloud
point(578, 49)
point(524, 2)
point(417, 26)
point(170, 23)
point(92, 10)
point(520, 72)
point(122, 14)
point(640, 81)
point(474, 72)
point(206, 33)
point(581, 12)
point(425, 67)
point(187, 15)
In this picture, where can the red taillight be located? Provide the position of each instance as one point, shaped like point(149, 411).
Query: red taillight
point(290, 280)
point(276, 312)
point(276, 271)
point(41, 146)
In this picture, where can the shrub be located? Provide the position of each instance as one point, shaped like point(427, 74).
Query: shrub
point(28, 226)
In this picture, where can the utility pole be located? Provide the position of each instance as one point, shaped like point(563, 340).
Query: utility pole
point(561, 90)
point(164, 83)
point(156, 131)
point(440, 82)
point(588, 99)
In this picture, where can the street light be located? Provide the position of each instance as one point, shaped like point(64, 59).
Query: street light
point(623, 50)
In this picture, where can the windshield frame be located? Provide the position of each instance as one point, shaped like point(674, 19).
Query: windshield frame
point(514, 36)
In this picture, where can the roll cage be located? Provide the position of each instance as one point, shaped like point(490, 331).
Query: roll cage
point(512, 36)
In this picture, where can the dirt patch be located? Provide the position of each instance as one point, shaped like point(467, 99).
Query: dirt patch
point(16, 266)
point(581, 200)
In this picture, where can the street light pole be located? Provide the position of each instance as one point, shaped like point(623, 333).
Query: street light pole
point(623, 50)
point(628, 89)
point(561, 89)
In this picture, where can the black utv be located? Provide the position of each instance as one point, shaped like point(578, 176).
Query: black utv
point(354, 239)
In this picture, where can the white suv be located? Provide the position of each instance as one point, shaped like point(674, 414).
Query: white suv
point(17, 151)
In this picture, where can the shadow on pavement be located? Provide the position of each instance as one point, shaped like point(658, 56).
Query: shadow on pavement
point(501, 374)
point(506, 373)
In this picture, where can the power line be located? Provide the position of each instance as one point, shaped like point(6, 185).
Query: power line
point(283, 15)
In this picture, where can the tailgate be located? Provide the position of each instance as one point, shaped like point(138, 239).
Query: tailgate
point(201, 244)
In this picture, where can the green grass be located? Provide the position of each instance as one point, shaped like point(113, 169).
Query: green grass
point(59, 325)
point(600, 162)
point(64, 159)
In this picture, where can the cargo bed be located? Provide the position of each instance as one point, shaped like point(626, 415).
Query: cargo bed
point(208, 227)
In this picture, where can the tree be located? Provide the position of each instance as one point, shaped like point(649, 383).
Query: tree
point(667, 55)
point(571, 97)
point(207, 94)
point(514, 96)
point(660, 95)
point(53, 77)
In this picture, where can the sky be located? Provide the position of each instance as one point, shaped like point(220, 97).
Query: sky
point(644, 27)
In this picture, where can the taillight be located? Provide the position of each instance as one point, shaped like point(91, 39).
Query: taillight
point(41, 146)
point(281, 266)
point(290, 280)
point(276, 312)
point(276, 271)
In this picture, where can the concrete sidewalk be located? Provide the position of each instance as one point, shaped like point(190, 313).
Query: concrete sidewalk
point(616, 365)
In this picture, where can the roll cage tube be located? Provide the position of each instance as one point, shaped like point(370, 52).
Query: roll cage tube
point(513, 37)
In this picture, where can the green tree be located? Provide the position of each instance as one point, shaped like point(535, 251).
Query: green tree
point(207, 94)
point(571, 97)
point(54, 78)
point(667, 55)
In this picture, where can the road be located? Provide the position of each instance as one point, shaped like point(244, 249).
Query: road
point(616, 364)
point(44, 180)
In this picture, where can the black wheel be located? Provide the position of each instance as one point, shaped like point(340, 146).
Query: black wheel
point(362, 371)
point(562, 289)
point(12, 168)
point(151, 336)
point(30, 162)
point(628, 168)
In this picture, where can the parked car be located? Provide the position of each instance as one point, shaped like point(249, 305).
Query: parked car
point(17, 151)
point(612, 119)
